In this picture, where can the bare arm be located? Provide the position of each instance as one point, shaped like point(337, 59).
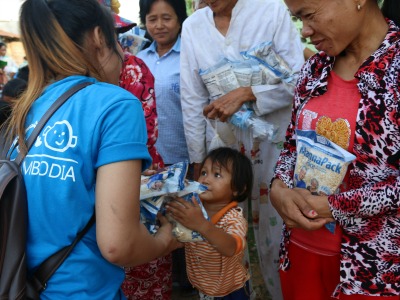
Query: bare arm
point(122, 239)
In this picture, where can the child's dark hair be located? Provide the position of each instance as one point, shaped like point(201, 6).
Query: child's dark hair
point(240, 167)
point(23, 73)
point(14, 88)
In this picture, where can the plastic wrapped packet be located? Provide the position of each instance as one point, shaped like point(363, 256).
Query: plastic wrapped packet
point(265, 54)
point(173, 185)
point(243, 72)
point(257, 73)
point(133, 40)
point(268, 76)
point(321, 165)
point(259, 128)
point(169, 180)
point(219, 79)
point(224, 77)
point(223, 134)
point(182, 233)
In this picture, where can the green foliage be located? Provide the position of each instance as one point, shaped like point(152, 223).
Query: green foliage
point(189, 7)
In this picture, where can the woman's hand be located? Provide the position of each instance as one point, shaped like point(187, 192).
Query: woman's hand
point(294, 209)
point(319, 203)
point(227, 105)
point(189, 214)
point(164, 233)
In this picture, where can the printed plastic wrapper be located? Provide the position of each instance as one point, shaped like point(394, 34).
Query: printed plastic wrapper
point(224, 135)
point(321, 165)
point(219, 79)
point(260, 129)
point(226, 76)
point(133, 40)
point(169, 180)
point(243, 72)
point(156, 189)
point(272, 64)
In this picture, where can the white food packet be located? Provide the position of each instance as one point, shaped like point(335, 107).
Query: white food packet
point(265, 54)
point(219, 79)
point(322, 161)
point(133, 40)
point(182, 233)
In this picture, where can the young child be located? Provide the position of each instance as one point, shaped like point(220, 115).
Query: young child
point(215, 266)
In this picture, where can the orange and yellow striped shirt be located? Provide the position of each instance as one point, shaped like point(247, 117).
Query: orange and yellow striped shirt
point(209, 271)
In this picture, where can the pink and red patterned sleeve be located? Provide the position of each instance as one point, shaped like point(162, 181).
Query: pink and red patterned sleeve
point(136, 78)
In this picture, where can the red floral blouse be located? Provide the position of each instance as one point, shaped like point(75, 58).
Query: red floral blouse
point(136, 78)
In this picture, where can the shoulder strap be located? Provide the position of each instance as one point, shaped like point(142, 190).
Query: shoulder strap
point(53, 108)
point(51, 264)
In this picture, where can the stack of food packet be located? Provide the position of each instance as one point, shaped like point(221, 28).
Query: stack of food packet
point(273, 67)
point(261, 65)
point(321, 165)
point(158, 189)
point(133, 40)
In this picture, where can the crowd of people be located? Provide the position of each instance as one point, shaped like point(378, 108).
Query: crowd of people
point(149, 109)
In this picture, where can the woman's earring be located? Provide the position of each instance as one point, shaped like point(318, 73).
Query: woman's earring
point(358, 6)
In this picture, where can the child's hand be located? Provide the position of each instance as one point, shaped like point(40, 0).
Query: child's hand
point(189, 214)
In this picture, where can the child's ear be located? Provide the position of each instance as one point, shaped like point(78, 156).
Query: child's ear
point(235, 193)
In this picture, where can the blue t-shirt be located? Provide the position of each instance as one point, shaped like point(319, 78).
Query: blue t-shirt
point(101, 124)
point(171, 141)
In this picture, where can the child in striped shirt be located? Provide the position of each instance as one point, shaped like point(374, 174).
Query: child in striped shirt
point(215, 266)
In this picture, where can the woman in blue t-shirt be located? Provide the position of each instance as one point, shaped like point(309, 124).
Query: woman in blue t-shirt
point(89, 155)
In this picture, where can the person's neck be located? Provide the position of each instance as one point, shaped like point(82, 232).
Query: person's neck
point(213, 208)
point(162, 49)
point(348, 63)
point(226, 13)
point(222, 19)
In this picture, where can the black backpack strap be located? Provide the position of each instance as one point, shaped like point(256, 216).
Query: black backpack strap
point(51, 264)
point(53, 108)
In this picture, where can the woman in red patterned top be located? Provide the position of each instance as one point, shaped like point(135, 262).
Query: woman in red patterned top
point(354, 78)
